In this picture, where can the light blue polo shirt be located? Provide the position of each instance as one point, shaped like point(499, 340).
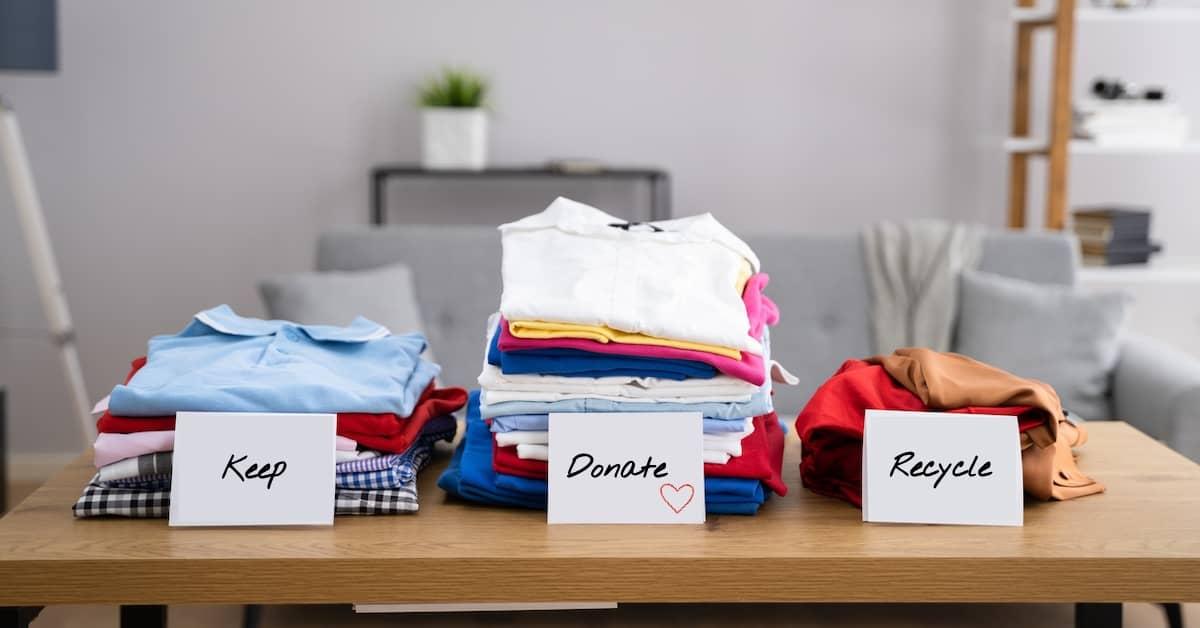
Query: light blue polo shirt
point(222, 362)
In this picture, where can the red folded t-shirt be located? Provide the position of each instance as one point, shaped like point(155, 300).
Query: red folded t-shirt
point(384, 432)
point(505, 460)
point(831, 425)
point(761, 459)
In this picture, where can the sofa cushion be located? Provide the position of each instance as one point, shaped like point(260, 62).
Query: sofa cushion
point(1061, 335)
point(456, 271)
point(384, 295)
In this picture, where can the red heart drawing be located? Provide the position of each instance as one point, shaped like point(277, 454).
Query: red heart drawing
point(672, 495)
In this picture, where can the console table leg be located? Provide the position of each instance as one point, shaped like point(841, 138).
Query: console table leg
point(1174, 613)
point(377, 198)
point(1098, 615)
point(18, 616)
point(150, 616)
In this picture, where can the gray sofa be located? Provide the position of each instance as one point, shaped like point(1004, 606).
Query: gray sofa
point(819, 283)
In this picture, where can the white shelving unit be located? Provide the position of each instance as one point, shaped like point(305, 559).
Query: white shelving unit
point(1058, 146)
point(1035, 146)
point(1150, 14)
point(1045, 14)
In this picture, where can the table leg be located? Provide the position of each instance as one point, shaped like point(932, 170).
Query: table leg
point(1174, 613)
point(377, 198)
point(18, 616)
point(149, 616)
point(3, 456)
point(251, 616)
point(1098, 615)
point(660, 197)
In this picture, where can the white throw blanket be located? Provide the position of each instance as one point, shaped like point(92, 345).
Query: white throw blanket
point(912, 271)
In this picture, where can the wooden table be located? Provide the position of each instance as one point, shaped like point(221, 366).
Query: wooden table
point(1138, 542)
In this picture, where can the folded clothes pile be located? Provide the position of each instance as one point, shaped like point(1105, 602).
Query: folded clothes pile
point(602, 315)
point(389, 410)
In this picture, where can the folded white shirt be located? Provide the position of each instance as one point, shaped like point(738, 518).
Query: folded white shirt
point(719, 387)
point(673, 279)
point(347, 456)
point(527, 451)
point(530, 451)
point(489, 397)
point(521, 437)
point(730, 442)
point(716, 457)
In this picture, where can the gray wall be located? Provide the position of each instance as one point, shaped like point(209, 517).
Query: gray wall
point(186, 149)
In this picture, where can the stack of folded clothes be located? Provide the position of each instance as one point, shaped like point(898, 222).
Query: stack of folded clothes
point(389, 410)
point(602, 315)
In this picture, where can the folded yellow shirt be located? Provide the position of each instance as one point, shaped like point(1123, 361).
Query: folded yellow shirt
point(542, 330)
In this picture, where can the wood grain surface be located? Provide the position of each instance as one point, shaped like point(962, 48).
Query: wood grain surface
point(1140, 541)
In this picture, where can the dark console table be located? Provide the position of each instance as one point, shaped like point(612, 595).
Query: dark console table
point(659, 180)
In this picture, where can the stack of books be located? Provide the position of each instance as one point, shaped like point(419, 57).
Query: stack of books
point(1110, 236)
point(1129, 122)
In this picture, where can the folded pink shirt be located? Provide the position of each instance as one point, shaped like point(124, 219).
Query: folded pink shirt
point(760, 309)
point(111, 447)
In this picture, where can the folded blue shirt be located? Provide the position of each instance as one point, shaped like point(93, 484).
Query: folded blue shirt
point(541, 423)
point(759, 403)
point(470, 476)
point(222, 362)
point(577, 363)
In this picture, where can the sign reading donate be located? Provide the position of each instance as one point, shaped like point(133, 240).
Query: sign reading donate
point(626, 467)
point(246, 468)
point(936, 467)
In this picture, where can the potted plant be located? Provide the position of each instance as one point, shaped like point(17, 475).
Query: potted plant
point(453, 121)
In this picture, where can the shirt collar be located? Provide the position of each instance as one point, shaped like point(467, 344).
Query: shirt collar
point(224, 320)
point(571, 216)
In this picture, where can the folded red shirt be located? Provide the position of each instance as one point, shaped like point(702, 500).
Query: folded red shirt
point(505, 460)
point(761, 459)
point(384, 432)
point(831, 425)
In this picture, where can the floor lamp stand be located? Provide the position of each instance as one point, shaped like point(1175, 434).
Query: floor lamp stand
point(45, 270)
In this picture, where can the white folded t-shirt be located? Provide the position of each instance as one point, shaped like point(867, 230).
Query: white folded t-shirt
point(675, 279)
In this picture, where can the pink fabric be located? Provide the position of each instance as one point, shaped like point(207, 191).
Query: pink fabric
point(760, 309)
point(113, 447)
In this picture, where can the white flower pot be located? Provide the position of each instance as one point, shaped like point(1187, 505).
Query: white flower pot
point(453, 138)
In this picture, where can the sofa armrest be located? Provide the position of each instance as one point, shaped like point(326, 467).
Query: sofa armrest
point(1156, 388)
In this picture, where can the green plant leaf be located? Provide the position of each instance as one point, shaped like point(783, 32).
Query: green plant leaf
point(453, 88)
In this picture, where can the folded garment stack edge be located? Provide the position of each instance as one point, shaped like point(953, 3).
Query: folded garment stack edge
point(601, 315)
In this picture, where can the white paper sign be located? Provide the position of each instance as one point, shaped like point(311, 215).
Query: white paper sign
point(245, 468)
point(934, 467)
point(626, 467)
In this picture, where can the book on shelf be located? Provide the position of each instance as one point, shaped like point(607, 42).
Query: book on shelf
point(1120, 248)
point(1102, 225)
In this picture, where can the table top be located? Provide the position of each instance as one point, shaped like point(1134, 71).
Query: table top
point(599, 170)
point(1140, 541)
